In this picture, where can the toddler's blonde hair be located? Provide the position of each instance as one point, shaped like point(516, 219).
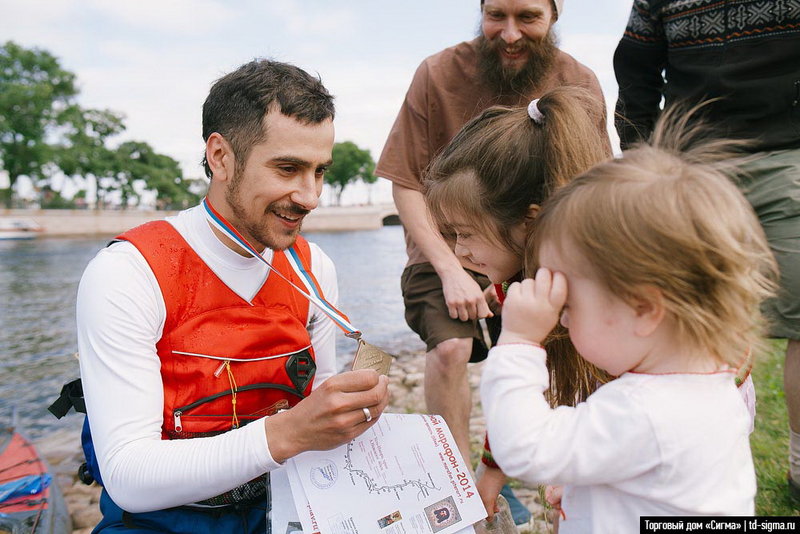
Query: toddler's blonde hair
point(667, 215)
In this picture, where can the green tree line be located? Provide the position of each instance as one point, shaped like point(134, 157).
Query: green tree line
point(44, 132)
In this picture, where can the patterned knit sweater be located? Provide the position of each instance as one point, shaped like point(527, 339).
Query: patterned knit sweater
point(746, 53)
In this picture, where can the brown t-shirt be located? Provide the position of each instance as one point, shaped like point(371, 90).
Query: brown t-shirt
point(445, 93)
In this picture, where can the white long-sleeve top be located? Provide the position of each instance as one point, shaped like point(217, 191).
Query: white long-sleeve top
point(120, 316)
point(640, 445)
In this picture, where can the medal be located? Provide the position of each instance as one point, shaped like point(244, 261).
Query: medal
point(369, 356)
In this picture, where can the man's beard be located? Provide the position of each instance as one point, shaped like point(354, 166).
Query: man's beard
point(506, 80)
point(261, 233)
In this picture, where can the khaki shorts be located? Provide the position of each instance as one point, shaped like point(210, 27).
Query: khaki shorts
point(426, 311)
point(772, 186)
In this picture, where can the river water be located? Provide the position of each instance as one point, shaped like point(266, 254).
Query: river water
point(39, 281)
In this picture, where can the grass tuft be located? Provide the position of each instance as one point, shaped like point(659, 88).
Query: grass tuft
point(770, 439)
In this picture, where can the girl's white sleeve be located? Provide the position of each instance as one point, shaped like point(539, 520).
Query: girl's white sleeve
point(120, 313)
point(602, 440)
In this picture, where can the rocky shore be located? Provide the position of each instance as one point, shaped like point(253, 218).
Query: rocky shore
point(62, 449)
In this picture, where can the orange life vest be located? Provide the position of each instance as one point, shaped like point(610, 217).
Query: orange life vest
point(225, 361)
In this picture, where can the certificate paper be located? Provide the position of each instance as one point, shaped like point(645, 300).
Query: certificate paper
point(402, 476)
point(283, 516)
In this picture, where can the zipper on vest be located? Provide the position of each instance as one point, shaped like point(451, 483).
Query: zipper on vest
point(177, 416)
point(223, 359)
point(177, 413)
point(300, 368)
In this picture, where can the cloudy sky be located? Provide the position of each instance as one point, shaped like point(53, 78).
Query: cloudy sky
point(154, 60)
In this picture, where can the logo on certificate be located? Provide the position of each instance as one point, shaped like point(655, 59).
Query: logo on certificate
point(442, 514)
point(324, 475)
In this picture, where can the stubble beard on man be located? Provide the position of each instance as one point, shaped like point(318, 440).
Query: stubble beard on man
point(261, 233)
point(508, 80)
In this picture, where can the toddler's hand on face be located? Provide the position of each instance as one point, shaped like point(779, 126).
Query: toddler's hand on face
point(492, 299)
point(532, 307)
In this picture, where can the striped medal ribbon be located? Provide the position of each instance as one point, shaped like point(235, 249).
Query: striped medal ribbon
point(312, 292)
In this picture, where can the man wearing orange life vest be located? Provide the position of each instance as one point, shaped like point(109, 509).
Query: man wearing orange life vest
point(183, 334)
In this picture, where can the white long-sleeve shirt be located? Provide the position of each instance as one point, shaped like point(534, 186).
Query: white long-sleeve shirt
point(120, 315)
point(640, 445)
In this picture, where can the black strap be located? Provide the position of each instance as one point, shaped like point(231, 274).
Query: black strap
point(71, 396)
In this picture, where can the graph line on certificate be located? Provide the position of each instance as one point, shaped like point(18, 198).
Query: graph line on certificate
point(423, 487)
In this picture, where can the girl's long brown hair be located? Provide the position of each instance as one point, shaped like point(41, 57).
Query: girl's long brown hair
point(501, 163)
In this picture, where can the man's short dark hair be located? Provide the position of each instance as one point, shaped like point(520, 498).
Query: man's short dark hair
point(237, 103)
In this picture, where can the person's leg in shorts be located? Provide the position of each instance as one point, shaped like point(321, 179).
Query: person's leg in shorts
point(773, 188)
point(450, 345)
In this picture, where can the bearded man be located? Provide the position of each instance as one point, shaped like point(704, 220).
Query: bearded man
point(514, 59)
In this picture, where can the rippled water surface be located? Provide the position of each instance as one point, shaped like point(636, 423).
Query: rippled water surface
point(39, 281)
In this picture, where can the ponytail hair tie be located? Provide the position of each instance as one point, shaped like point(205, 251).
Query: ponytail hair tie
point(534, 112)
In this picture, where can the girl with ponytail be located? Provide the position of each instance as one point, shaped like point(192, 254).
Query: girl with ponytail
point(485, 189)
